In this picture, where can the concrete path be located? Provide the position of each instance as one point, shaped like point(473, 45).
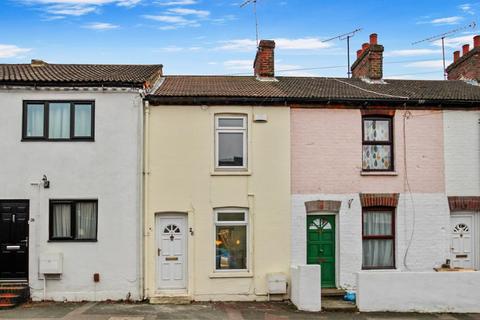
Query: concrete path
point(214, 311)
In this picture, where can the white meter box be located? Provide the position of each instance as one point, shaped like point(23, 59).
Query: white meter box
point(51, 263)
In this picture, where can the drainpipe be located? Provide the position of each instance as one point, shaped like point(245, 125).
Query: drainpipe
point(140, 192)
point(146, 172)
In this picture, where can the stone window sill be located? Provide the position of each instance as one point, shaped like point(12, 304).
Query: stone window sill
point(232, 274)
point(378, 173)
point(231, 173)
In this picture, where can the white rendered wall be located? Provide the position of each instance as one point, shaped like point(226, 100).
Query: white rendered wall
point(428, 249)
point(462, 152)
point(419, 291)
point(107, 170)
point(305, 294)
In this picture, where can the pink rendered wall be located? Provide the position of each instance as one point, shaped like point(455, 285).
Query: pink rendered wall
point(327, 153)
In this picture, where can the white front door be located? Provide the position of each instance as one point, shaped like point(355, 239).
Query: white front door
point(462, 245)
point(171, 252)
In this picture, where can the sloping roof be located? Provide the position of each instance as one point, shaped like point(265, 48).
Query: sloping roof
point(292, 89)
point(78, 74)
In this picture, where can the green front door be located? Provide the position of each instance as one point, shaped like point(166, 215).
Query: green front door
point(321, 246)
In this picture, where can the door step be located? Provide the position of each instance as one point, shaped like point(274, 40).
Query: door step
point(333, 292)
point(13, 294)
point(338, 305)
point(170, 300)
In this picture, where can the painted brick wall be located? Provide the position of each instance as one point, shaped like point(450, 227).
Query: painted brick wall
point(462, 152)
point(327, 153)
point(428, 249)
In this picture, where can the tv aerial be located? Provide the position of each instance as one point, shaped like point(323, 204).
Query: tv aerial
point(346, 36)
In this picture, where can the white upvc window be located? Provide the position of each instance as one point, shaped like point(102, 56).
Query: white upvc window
point(231, 239)
point(231, 142)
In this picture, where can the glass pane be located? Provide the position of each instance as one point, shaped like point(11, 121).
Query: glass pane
point(61, 223)
point(231, 245)
point(377, 253)
point(377, 223)
point(86, 220)
point(35, 117)
point(230, 122)
point(377, 157)
point(59, 121)
point(231, 216)
point(230, 149)
point(376, 130)
point(83, 120)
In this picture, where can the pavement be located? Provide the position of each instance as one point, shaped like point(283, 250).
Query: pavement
point(214, 311)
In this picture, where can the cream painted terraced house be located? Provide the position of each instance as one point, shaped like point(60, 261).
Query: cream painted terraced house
point(217, 200)
point(70, 198)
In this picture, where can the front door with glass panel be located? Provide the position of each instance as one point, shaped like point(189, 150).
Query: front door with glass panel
point(462, 241)
point(171, 252)
point(13, 240)
point(321, 246)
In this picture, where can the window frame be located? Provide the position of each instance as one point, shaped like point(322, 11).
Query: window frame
point(46, 115)
point(244, 130)
point(392, 237)
point(245, 223)
point(383, 143)
point(73, 222)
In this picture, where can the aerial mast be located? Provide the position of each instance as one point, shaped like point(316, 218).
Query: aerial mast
point(346, 36)
point(254, 2)
point(442, 38)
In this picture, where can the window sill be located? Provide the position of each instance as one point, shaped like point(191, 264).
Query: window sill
point(378, 173)
point(231, 173)
point(233, 274)
point(67, 240)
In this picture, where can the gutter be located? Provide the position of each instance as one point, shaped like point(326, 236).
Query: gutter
point(310, 102)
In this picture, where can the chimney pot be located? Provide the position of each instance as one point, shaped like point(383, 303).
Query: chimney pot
point(365, 46)
point(456, 56)
point(465, 49)
point(264, 65)
point(373, 38)
point(359, 53)
point(476, 41)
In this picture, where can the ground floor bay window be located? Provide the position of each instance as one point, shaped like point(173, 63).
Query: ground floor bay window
point(231, 228)
point(378, 238)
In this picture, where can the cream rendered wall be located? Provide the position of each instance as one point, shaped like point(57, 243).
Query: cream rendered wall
point(107, 169)
point(462, 152)
point(181, 179)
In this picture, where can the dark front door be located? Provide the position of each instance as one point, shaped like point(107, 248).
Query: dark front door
point(13, 240)
point(321, 246)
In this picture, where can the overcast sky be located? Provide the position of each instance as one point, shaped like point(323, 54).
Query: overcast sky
point(218, 37)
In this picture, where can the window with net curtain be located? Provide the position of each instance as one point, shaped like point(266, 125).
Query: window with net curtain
point(378, 238)
point(73, 220)
point(52, 120)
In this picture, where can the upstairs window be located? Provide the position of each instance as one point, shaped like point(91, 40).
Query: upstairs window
point(230, 142)
point(58, 120)
point(377, 144)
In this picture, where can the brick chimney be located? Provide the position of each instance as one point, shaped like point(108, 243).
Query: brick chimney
point(369, 63)
point(264, 65)
point(38, 63)
point(466, 67)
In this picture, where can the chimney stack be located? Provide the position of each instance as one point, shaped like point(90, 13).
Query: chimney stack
point(369, 63)
point(264, 65)
point(466, 67)
point(38, 63)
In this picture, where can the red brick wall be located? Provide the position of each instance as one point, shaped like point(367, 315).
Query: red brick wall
point(265, 60)
point(467, 67)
